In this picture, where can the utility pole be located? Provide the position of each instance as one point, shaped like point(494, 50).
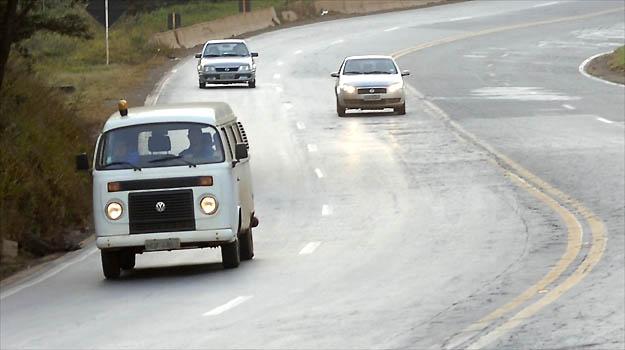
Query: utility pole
point(106, 20)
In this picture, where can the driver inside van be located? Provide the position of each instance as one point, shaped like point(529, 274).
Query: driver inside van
point(199, 147)
point(123, 153)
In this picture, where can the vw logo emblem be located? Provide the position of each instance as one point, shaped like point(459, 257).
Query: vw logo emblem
point(160, 207)
point(371, 90)
point(227, 69)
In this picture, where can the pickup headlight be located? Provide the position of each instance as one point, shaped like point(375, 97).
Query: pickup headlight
point(395, 87)
point(244, 68)
point(209, 69)
point(209, 205)
point(114, 210)
point(348, 88)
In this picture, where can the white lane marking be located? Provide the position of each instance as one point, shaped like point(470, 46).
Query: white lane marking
point(603, 120)
point(287, 105)
point(49, 274)
point(309, 248)
point(227, 306)
point(490, 65)
point(311, 148)
point(391, 29)
point(520, 93)
point(276, 76)
point(279, 89)
point(459, 19)
point(297, 52)
point(546, 4)
point(279, 63)
point(326, 210)
point(319, 173)
point(174, 70)
point(582, 70)
point(474, 56)
point(300, 126)
point(505, 55)
point(491, 74)
point(337, 42)
point(569, 107)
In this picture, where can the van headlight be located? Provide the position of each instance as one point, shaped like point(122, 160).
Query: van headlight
point(348, 88)
point(209, 68)
point(395, 87)
point(209, 205)
point(114, 210)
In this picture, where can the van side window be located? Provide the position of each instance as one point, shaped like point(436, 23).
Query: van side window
point(228, 142)
point(236, 133)
point(243, 134)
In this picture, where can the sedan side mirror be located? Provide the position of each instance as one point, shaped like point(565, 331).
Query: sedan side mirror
point(254, 54)
point(405, 72)
point(198, 55)
point(82, 162)
point(334, 75)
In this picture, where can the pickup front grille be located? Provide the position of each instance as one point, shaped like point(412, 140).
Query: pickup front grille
point(161, 211)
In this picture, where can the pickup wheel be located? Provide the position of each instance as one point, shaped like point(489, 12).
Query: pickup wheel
point(246, 245)
point(340, 110)
point(230, 257)
point(127, 259)
point(111, 264)
point(202, 85)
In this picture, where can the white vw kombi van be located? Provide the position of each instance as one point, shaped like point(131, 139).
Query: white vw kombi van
point(171, 177)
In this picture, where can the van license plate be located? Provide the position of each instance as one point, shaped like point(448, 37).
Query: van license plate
point(372, 97)
point(162, 244)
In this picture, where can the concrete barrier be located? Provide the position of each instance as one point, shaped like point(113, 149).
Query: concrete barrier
point(222, 28)
point(370, 6)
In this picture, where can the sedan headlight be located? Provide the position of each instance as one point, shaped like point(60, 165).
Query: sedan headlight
point(209, 68)
point(348, 88)
point(209, 205)
point(395, 87)
point(244, 68)
point(114, 210)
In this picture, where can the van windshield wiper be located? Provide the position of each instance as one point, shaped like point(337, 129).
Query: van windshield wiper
point(172, 157)
point(122, 163)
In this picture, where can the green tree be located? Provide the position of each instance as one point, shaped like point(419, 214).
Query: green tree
point(22, 18)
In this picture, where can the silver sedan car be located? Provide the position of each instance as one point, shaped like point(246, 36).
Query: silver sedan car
point(226, 62)
point(370, 82)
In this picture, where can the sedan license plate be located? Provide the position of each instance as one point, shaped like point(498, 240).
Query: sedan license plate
point(227, 76)
point(372, 97)
point(162, 244)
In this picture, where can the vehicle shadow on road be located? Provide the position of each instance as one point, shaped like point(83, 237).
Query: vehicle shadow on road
point(216, 87)
point(372, 114)
point(174, 271)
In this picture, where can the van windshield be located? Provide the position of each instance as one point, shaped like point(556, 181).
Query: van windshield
point(159, 145)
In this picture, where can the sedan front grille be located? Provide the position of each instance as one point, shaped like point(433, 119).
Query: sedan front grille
point(228, 69)
point(161, 211)
point(362, 91)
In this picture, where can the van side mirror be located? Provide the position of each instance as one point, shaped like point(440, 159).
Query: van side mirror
point(198, 55)
point(82, 162)
point(240, 151)
point(334, 74)
point(405, 72)
point(254, 54)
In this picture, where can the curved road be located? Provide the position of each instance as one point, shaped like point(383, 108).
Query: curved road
point(491, 215)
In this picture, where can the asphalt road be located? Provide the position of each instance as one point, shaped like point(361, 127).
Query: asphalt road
point(384, 231)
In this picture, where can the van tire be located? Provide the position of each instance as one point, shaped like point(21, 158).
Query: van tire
point(110, 264)
point(230, 257)
point(340, 110)
point(251, 83)
point(246, 245)
point(127, 259)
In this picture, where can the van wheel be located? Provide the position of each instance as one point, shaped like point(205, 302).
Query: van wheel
point(401, 110)
point(230, 257)
point(251, 83)
point(202, 85)
point(246, 245)
point(127, 259)
point(110, 264)
point(340, 110)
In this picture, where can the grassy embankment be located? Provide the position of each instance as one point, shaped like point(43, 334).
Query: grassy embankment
point(616, 61)
point(42, 128)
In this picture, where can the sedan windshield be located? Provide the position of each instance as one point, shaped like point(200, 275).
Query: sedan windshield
point(159, 145)
point(370, 66)
point(226, 50)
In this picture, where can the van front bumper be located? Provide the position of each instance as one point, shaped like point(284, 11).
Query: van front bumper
point(207, 238)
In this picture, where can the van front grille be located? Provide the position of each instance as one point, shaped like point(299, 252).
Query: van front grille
point(161, 211)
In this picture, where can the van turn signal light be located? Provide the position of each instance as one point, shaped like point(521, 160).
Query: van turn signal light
point(123, 107)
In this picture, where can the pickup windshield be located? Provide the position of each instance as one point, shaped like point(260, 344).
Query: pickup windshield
point(159, 145)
